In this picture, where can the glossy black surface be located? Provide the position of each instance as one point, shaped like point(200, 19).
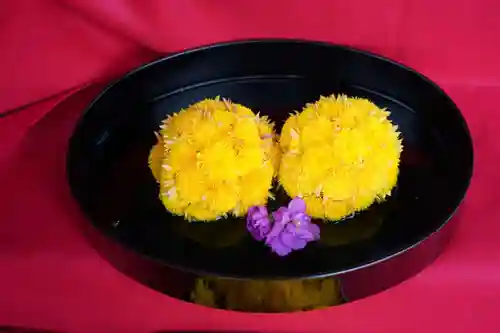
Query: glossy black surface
point(108, 173)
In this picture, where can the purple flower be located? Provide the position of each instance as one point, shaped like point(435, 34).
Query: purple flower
point(292, 228)
point(258, 223)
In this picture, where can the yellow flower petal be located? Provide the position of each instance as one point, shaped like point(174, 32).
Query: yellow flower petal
point(218, 158)
point(341, 154)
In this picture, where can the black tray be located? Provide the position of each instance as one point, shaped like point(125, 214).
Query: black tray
point(109, 177)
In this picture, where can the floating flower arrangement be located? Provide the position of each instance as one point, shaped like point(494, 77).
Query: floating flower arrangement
point(336, 157)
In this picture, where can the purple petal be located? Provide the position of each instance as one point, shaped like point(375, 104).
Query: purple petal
point(276, 229)
point(297, 205)
point(262, 210)
point(257, 212)
point(260, 229)
point(306, 235)
point(279, 248)
point(258, 223)
point(292, 241)
point(315, 231)
point(281, 216)
point(291, 228)
point(309, 232)
point(301, 219)
point(252, 210)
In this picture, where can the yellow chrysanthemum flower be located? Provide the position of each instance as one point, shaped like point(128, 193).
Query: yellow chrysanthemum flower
point(214, 158)
point(340, 155)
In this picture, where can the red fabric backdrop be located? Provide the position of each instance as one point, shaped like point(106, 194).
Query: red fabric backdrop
point(49, 275)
